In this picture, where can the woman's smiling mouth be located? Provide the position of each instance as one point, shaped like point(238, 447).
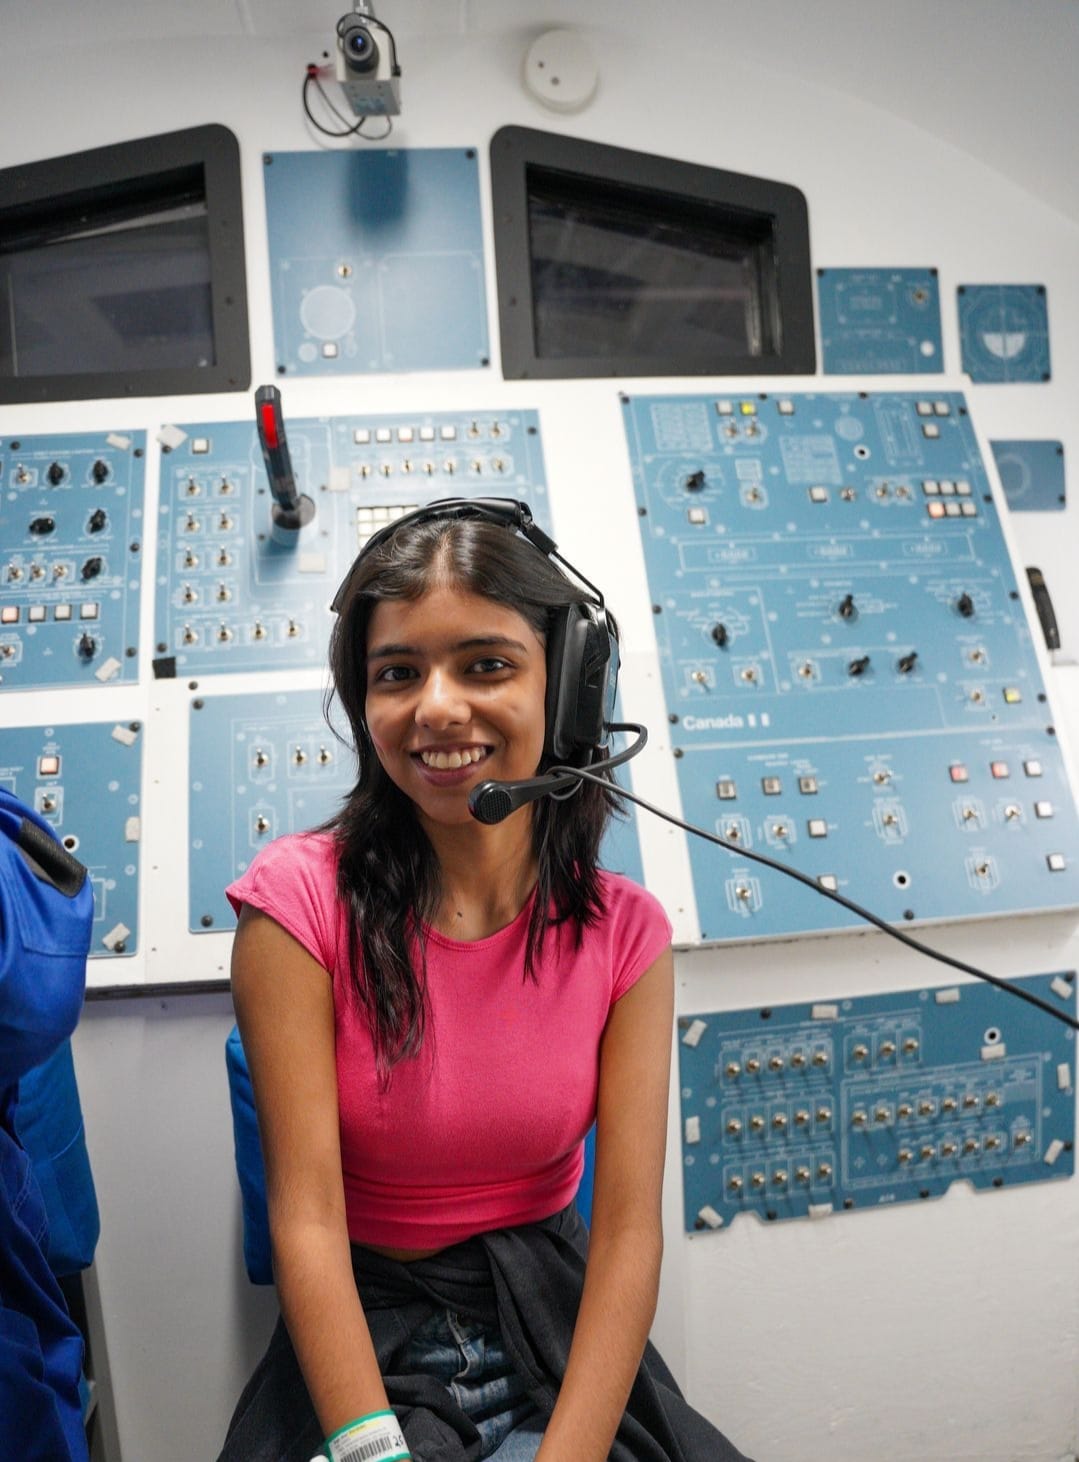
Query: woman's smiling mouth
point(454, 758)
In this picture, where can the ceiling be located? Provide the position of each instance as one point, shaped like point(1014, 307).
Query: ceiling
point(995, 78)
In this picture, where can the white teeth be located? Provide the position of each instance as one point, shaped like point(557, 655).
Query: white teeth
point(444, 761)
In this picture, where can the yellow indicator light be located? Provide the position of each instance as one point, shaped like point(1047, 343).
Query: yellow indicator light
point(749, 408)
point(1012, 695)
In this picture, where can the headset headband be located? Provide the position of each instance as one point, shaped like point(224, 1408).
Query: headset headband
point(505, 512)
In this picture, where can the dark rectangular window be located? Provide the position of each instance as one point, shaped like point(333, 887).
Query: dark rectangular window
point(612, 273)
point(618, 263)
point(119, 276)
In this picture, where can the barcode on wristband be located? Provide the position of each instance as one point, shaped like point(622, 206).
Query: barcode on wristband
point(370, 1451)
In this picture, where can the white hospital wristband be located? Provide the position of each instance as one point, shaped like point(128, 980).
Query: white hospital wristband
point(374, 1438)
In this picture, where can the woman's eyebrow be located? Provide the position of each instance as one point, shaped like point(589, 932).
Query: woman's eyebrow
point(474, 642)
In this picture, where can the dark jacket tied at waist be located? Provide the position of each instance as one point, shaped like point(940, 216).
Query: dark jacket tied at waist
point(528, 1282)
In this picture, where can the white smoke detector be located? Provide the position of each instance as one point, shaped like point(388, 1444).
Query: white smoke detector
point(561, 71)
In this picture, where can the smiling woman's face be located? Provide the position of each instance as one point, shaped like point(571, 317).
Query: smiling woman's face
point(455, 696)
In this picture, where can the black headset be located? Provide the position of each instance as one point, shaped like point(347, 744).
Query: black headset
point(582, 641)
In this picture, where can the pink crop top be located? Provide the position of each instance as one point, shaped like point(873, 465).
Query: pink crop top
point(484, 1128)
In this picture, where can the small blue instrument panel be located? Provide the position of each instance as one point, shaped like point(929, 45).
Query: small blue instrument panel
point(1004, 332)
point(848, 669)
point(1032, 475)
point(231, 597)
point(71, 528)
point(879, 321)
point(800, 1110)
point(376, 260)
point(85, 781)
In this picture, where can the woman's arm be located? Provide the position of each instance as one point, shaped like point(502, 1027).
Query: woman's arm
point(622, 1276)
point(284, 1008)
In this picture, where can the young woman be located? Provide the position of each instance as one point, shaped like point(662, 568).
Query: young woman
point(434, 1011)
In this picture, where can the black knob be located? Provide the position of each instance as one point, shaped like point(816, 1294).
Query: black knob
point(99, 471)
point(847, 609)
point(91, 568)
point(695, 481)
point(720, 635)
point(40, 526)
point(98, 519)
point(87, 647)
point(965, 605)
point(55, 474)
point(859, 666)
point(907, 662)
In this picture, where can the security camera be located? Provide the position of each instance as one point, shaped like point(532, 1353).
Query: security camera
point(366, 64)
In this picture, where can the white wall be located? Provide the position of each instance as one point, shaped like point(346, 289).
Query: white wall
point(921, 134)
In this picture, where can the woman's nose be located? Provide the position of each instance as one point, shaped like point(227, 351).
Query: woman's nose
point(441, 702)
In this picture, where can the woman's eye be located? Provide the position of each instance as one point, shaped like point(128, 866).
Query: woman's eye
point(394, 674)
point(489, 664)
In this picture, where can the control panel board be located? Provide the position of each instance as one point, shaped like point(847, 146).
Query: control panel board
point(797, 1111)
point(847, 664)
point(262, 765)
point(392, 278)
point(71, 525)
point(879, 321)
point(233, 597)
point(1032, 475)
point(1004, 332)
point(85, 781)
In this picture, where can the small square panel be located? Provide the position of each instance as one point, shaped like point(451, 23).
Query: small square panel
point(1032, 475)
point(771, 786)
point(1004, 332)
point(880, 322)
point(411, 306)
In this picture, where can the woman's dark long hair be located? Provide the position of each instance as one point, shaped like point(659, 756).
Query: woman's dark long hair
point(388, 874)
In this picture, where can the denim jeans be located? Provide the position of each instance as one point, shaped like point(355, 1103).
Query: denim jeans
point(468, 1357)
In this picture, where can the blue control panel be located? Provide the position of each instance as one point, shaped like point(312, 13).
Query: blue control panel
point(232, 597)
point(71, 528)
point(85, 781)
point(797, 1111)
point(847, 664)
point(1032, 475)
point(390, 277)
point(262, 765)
point(1004, 332)
point(879, 321)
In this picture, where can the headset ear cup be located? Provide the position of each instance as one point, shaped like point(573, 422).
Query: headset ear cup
point(582, 669)
point(558, 716)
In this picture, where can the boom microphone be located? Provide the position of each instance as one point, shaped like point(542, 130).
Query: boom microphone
point(493, 802)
